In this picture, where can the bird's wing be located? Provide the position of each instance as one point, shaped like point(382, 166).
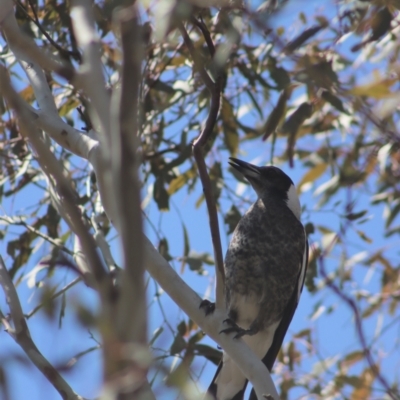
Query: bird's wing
point(283, 326)
point(278, 336)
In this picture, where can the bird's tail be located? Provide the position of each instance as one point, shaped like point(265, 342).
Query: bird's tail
point(228, 382)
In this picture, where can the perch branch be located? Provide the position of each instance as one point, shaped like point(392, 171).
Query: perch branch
point(20, 333)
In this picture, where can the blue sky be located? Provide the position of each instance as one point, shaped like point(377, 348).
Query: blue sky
point(335, 331)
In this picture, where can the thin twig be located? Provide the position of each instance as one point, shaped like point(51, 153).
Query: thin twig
point(51, 167)
point(20, 42)
point(196, 61)
point(91, 70)
point(20, 333)
point(55, 242)
point(54, 296)
point(76, 55)
point(73, 360)
point(103, 245)
point(198, 146)
point(206, 33)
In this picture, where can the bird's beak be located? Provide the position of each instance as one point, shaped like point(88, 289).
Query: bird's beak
point(249, 171)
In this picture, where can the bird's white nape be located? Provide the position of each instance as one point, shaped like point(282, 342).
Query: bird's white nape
point(293, 201)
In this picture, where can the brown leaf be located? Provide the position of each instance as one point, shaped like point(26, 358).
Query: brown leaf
point(363, 392)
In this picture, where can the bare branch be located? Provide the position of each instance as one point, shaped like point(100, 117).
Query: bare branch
point(91, 72)
point(35, 20)
point(125, 163)
point(51, 167)
point(19, 221)
point(54, 296)
point(206, 33)
point(22, 336)
point(33, 60)
point(196, 61)
point(103, 245)
point(20, 42)
point(198, 146)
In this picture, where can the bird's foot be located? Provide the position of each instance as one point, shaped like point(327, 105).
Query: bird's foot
point(234, 327)
point(207, 306)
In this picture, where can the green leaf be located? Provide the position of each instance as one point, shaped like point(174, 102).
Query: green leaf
point(156, 334)
point(352, 380)
point(254, 102)
point(231, 218)
point(199, 335)
point(161, 196)
point(334, 101)
point(302, 38)
point(354, 216)
point(276, 115)
point(186, 245)
point(309, 228)
point(278, 74)
point(186, 248)
point(352, 358)
point(363, 236)
point(163, 249)
point(210, 353)
point(179, 344)
point(180, 181)
point(215, 173)
point(392, 215)
point(182, 328)
point(229, 127)
point(311, 275)
point(195, 264)
point(313, 174)
point(378, 90)
point(293, 123)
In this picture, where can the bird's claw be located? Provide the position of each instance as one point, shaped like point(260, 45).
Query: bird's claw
point(234, 328)
point(207, 306)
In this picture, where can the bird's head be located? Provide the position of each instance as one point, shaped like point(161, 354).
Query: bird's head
point(269, 181)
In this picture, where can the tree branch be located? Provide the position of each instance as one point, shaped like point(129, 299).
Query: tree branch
point(198, 153)
point(54, 296)
point(21, 42)
point(91, 72)
point(67, 196)
point(20, 333)
point(33, 60)
point(75, 54)
point(125, 163)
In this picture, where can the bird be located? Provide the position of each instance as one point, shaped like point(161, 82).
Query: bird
point(265, 267)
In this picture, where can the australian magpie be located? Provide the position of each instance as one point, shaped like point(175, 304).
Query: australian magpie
point(265, 267)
